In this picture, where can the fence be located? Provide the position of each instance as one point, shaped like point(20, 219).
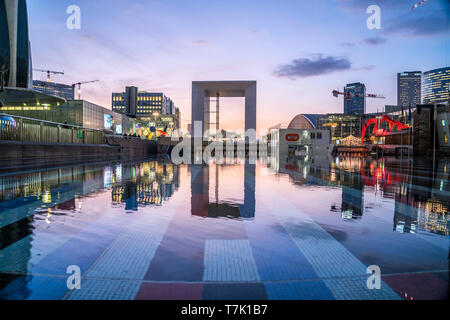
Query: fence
point(15, 128)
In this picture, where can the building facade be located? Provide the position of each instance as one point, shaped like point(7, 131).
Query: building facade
point(409, 88)
point(431, 129)
point(77, 112)
point(355, 98)
point(436, 86)
point(56, 89)
point(298, 142)
point(147, 103)
point(343, 127)
point(15, 53)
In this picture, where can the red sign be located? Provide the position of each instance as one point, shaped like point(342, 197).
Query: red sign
point(292, 137)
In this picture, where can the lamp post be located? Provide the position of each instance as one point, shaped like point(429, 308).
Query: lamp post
point(2, 86)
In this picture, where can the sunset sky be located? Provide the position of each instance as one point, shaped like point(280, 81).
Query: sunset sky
point(298, 51)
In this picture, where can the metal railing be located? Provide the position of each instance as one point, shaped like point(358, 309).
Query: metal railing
point(33, 130)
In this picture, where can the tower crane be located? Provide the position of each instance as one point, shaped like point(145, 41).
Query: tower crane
point(349, 95)
point(79, 86)
point(48, 72)
point(418, 4)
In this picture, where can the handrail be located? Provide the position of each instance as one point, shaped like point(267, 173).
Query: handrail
point(50, 122)
point(42, 131)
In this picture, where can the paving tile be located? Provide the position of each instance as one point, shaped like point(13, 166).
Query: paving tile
point(98, 289)
point(276, 256)
point(330, 260)
point(180, 256)
point(170, 291)
point(130, 254)
point(248, 291)
point(82, 249)
point(356, 289)
point(299, 290)
point(229, 260)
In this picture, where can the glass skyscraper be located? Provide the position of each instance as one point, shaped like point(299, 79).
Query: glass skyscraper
point(15, 60)
point(436, 85)
point(409, 88)
point(56, 89)
point(355, 98)
point(5, 54)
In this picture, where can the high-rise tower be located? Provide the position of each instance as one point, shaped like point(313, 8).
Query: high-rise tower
point(15, 53)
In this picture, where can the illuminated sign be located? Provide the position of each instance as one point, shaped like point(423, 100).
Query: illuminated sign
point(119, 129)
point(47, 197)
point(292, 137)
point(107, 177)
point(107, 122)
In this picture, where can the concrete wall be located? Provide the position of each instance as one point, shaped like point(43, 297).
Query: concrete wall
point(24, 154)
point(133, 148)
point(203, 90)
point(200, 111)
point(250, 108)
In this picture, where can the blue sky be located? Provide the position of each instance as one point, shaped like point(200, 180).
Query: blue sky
point(298, 51)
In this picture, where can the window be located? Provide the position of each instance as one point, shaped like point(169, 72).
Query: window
point(312, 135)
point(319, 135)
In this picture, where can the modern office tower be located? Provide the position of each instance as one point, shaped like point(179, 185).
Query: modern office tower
point(147, 103)
point(131, 98)
point(409, 88)
point(56, 89)
point(15, 53)
point(355, 98)
point(436, 85)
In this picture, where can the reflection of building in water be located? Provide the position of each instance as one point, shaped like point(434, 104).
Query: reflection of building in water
point(352, 203)
point(433, 216)
point(412, 213)
point(149, 183)
point(320, 170)
point(27, 200)
point(200, 201)
point(14, 258)
point(421, 202)
point(405, 214)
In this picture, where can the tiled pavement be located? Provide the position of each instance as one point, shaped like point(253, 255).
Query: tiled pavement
point(267, 258)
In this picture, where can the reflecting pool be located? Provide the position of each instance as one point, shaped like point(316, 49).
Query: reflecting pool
point(291, 228)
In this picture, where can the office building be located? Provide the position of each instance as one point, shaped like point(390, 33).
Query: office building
point(340, 125)
point(409, 88)
point(431, 129)
point(355, 98)
point(56, 89)
point(343, 126)
point(15, 52)
point(77, 112)
point(131, 97)
point(141, 104)
point(436, 86)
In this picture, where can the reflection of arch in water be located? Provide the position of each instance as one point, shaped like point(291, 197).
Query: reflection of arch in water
point(200, 205)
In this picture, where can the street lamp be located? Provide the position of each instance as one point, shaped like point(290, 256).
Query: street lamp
point(2, 87)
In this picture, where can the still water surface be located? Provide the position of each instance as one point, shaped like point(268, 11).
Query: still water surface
point(278, 229)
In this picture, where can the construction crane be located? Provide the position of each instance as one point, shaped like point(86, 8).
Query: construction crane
point(349, 95)
point(418, 4)
point(79, 86)
point(48, 72)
